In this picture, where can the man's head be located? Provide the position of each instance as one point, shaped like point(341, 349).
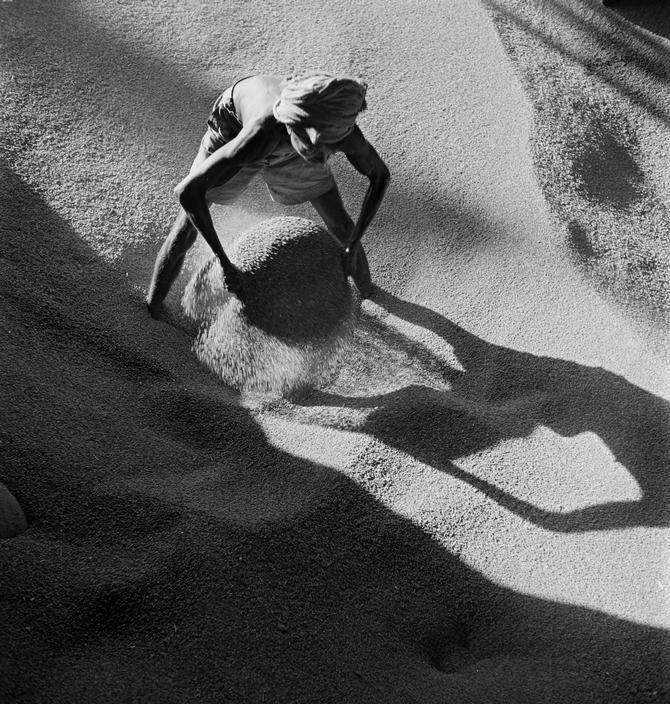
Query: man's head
point(319, 110)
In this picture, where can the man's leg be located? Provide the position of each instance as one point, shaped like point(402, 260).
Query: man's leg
point(331, 208)
point(169, 261)
point(179, 240)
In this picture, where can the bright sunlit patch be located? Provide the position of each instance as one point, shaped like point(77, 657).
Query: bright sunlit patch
point(561, 475)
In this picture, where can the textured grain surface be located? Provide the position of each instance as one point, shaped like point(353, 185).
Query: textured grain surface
point(599, 89)
point(474, 509)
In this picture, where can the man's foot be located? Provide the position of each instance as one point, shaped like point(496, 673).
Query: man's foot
point(232, 279)
point(174, 318)
point(360, 272)
point(155, 308)
point(366, 289)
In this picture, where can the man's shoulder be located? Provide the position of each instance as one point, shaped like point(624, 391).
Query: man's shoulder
point(259, 138)
point(255, 97)
point(265, 126)
point(354, 143)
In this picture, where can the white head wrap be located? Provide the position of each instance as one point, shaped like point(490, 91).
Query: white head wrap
point(319, 109)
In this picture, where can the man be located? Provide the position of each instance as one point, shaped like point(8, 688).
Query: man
point(285, 130)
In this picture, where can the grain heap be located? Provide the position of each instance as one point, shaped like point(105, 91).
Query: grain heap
point(295, 313)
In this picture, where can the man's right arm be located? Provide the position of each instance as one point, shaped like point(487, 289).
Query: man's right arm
point(219, 167)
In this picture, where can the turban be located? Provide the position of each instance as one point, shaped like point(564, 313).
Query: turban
point(318, 109)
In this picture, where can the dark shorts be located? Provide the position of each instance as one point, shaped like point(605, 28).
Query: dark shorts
point(289, 178)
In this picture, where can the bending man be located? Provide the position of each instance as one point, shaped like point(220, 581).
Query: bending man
point(286, 130)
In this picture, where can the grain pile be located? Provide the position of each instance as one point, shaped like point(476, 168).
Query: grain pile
point(295, 312)
point(12, 519)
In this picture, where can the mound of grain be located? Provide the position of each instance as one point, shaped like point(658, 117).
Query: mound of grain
point(295, 312)
point(12, 519)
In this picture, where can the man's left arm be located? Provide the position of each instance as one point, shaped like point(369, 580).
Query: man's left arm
point(363, 157)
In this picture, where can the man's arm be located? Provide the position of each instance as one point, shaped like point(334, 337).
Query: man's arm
point(363, 157)
point(250, 145)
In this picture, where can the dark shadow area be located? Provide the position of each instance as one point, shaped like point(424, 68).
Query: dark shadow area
point(437, 427)
point(65, 293)
point(311, 299)
point(604, 166)
point(580, 242)
point(117, 593)
point(652, 15)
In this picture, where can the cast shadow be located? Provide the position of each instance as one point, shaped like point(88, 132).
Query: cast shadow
point(343, 600)
point(504, 393)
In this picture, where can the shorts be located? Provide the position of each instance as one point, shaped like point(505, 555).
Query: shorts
point(289, 178)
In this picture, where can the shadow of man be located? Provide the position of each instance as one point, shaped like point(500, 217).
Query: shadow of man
point(504, 393)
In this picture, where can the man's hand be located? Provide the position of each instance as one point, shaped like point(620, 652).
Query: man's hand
point(349, 257)
point(232, 279)
point(355, 264)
